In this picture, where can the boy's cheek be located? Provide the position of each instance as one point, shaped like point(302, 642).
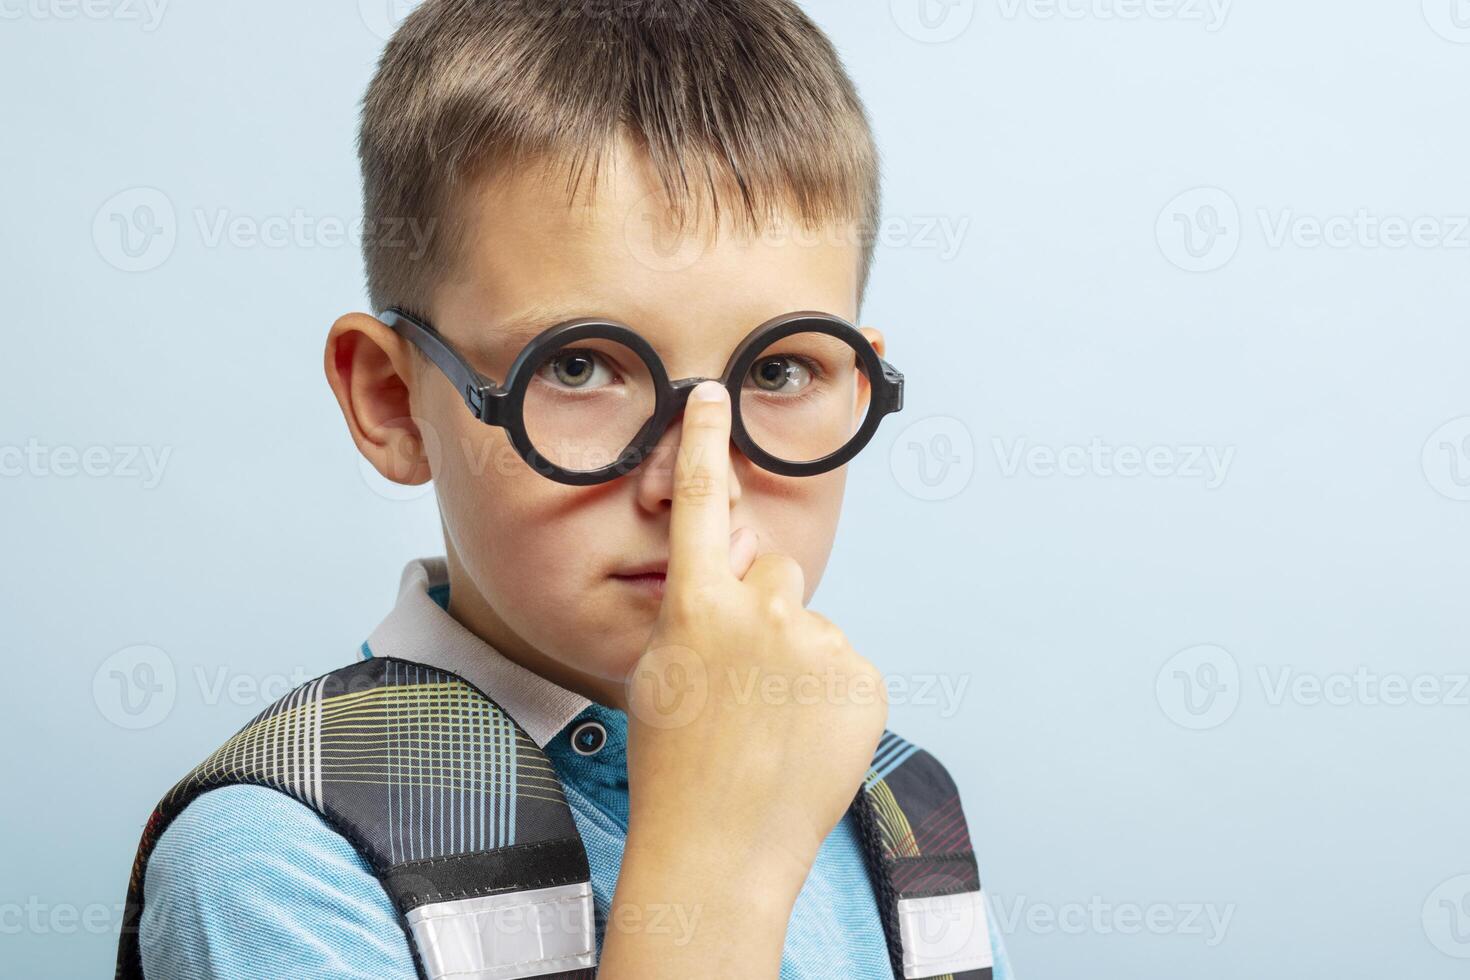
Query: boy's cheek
point(466, 452)
point(795, 516)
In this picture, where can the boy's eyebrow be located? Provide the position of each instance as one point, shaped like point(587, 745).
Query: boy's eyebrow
point(509, 336)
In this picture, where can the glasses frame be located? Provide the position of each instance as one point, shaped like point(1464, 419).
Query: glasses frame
point(502, 404)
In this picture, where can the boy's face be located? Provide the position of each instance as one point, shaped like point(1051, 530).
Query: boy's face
point(534, 563)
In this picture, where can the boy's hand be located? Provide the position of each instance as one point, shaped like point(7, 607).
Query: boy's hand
point(751, 723)
point(751, 720)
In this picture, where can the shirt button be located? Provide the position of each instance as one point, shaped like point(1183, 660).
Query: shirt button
point(589, 737)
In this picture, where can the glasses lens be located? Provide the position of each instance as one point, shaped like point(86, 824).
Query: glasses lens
point(805, 396)
point(586, 402)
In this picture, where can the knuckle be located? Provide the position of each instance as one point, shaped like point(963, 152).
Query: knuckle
point(695, 482)
point(864, 676)
point(832, 643)
point(837, 641)
point(777, 607)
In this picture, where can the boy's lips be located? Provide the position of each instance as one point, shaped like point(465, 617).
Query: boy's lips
point(648, 577)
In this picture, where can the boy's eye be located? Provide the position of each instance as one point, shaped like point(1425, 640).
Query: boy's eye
point(580, 369)
point(781, 373)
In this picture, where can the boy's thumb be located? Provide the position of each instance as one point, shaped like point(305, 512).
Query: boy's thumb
point(744, 543)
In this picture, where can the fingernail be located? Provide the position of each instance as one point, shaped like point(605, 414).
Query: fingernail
point(708, 391)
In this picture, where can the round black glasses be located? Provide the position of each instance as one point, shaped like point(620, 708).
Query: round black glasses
point(587, 400)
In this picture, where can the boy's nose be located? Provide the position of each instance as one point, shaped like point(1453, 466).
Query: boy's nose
point(654, 478)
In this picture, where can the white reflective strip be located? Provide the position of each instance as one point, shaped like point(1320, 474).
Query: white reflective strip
point(507, 936)
point(944, 934)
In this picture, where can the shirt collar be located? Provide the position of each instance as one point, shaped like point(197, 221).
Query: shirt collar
point(419, 629)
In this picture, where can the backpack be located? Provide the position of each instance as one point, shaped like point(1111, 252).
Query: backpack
point(464, 822)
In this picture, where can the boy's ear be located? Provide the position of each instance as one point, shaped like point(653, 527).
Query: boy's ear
point(369, 368)
point(875, 337)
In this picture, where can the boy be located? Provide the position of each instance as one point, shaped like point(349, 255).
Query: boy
point(588, 789)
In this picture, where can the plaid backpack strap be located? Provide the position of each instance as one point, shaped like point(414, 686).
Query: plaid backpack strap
point(455, 808)
point(923, 867)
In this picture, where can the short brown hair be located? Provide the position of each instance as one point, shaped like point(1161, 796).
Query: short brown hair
point(739, 98)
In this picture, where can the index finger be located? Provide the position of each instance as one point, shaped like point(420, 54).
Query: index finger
point(699, 529)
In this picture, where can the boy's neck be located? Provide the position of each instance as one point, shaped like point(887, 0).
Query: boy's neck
point(470, 609)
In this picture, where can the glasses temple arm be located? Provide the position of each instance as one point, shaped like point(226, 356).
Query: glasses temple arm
point(894, 377)
point(471, 384)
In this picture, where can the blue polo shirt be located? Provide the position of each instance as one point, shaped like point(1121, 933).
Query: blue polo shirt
point(249, 882)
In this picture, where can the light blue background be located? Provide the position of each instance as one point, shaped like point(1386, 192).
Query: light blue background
point(1328, 833)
